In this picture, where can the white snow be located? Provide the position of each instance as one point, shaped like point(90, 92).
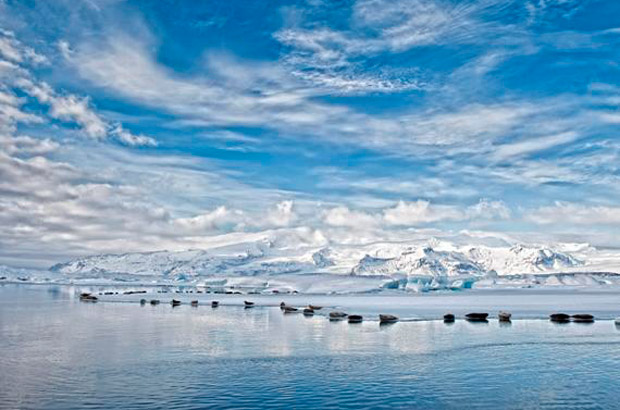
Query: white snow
point(283, 262)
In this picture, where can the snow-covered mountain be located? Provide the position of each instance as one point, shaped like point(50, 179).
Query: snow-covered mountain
point(522, 259)
point(421, 261)
point(289, 261)
point(244, 259)
point(268, 257)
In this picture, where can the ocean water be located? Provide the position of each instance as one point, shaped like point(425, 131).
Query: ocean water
point(59, 353)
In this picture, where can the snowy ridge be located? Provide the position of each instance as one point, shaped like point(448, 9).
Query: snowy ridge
point(432, 264)
point(245, 259)
point(521, 259)
point(421, 261)
point(290, 262)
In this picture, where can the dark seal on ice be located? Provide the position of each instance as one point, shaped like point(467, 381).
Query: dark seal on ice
point(582, 318)
point(477, 317)
point(384, 318)
point(559, 317)
point(355, 319)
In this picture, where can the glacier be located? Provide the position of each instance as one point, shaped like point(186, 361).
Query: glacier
point(274, 264)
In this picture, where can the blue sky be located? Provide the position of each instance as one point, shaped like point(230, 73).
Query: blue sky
point(172, 124)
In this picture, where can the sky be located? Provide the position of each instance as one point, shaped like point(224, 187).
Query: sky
point(149, 125)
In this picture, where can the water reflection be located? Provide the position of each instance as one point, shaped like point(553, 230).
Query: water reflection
point(55, 352)
point(55, 292)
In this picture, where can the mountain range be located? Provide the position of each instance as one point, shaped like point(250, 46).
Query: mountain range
point(421, 265)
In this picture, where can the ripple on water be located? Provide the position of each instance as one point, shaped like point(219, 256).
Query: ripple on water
point(64, 355)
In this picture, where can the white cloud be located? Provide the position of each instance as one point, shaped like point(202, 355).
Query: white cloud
point(24, 144)
point(475, 121)
point(533, 145)
point(282, 215)
point(206, 223)
point(379, 25)
point(234, 95)
point(8, 51)
point(333, 58)
point(424, 212)
point(13, 50)
point(405, 185)
point(112, 200)
point(403, 24)
point(342, 216)
point(610, 117)
point(348, 82)
point(12, 113)
point(128, 138)
point(53, 210)
point(265, 95)
point(419, 212)
point(487, 209)
point(80, 200)
point(78, 109)
point(539, 9)
point(65, 107)
point(567, 214)
point(65, 49)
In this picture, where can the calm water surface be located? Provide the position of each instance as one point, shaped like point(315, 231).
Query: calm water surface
point(58, 353)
